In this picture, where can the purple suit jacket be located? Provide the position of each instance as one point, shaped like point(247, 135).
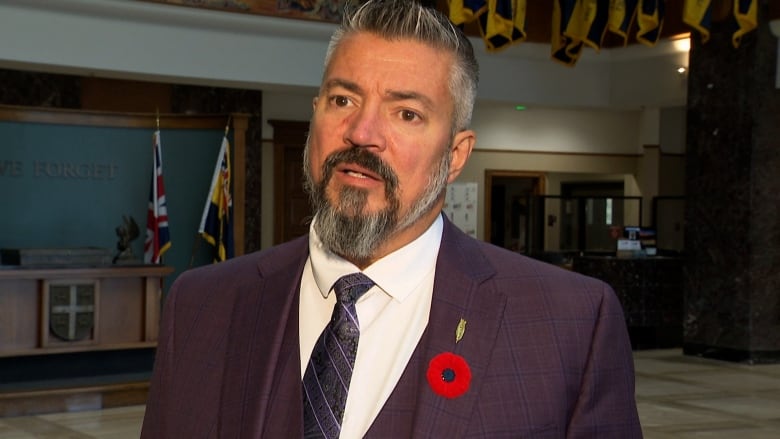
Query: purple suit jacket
point(547, 348)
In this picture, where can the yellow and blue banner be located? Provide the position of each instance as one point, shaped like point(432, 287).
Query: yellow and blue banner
point(698, 15)
point(650, 17)
point(503, 23)
point(216, 224)
point(622, 14)
point(746, 17)
point(466, 11)
point(565, 49)
point(576, 23)
point(595, 18)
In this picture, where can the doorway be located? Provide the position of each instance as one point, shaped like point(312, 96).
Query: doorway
point(508, 198)
point(592, 210)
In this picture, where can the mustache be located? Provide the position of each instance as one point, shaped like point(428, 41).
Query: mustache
point(363, 158)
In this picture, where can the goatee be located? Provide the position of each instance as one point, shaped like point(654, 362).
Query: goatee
point(343, 227)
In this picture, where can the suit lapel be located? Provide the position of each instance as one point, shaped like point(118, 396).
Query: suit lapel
point(460, 292)
point(261, 394)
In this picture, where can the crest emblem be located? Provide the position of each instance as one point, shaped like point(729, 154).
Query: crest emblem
point(72, 311)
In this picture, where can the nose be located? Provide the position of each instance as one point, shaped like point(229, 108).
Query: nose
point(366, 128)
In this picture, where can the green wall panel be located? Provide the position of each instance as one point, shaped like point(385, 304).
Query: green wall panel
point(68, 186)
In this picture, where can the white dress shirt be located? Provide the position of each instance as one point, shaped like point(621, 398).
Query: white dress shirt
point(392, 315)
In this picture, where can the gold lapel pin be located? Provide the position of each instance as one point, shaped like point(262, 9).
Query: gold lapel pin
point(460, 330)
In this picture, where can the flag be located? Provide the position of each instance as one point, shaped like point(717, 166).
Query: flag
point(565, 49)
point(621, 16)
point(466, 11)
point(594, 22)
point(577, 23)
point(216, 224)
point(500, 22)
point(746, 16)
point(504, 23)
point(650, 17)
point(698, 15)
point(158, 237)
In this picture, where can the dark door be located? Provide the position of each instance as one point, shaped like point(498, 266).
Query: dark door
point(292, 212)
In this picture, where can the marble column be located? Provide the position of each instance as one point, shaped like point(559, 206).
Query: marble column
point(732, 237)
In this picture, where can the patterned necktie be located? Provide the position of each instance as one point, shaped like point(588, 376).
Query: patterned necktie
point(327, 377)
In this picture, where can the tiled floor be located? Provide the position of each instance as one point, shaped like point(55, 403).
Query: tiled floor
point(679, 397)
point(686, 397)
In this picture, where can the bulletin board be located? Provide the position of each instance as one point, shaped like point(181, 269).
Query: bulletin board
point(460, 206)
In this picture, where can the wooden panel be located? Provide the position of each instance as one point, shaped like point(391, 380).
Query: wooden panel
point(123, 298)
point(17, 298)
point(127, 308)
point(122, 95)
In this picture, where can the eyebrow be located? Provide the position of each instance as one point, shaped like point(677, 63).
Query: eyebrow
point(343, 83)
point(411, 95)
point(395, 95)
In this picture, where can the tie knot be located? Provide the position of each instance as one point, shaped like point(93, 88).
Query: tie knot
point(350, 287)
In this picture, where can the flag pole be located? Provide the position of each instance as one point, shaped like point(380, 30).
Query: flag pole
point(195, 245)
point(157, 125)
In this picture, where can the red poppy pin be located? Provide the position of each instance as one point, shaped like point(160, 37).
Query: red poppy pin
point(449, 375)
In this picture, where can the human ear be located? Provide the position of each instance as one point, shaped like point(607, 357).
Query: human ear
point(462, 144)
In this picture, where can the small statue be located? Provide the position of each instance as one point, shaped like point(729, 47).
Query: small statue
point(127, 233)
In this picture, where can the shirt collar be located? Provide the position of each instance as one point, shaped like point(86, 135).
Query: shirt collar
point(397, 274)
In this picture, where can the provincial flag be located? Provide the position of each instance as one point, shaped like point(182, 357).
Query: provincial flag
point(746, 16)
point(158, 237)
point(698, 15)
point(650, 17)
point(621, 16)
point(216, 224)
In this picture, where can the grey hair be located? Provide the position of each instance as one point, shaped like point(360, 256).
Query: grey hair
point(408, 19)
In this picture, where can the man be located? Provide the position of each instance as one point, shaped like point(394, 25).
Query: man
point(457, 338)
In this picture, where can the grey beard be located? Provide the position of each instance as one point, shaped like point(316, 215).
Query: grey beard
point(343, 228)
point(350, 234)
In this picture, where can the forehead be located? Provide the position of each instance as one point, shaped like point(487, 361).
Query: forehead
point(379, 62)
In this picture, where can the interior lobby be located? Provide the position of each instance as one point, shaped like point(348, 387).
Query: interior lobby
point(678, 138)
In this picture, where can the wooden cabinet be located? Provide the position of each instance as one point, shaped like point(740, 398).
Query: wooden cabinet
point(56, 310)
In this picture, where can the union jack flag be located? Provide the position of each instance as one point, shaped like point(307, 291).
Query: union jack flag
point(158, 237)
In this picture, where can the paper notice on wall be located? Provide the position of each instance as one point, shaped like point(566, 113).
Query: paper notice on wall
point(460, 206)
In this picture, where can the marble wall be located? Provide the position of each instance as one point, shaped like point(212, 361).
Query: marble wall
point(732, 239)
point(650, 290)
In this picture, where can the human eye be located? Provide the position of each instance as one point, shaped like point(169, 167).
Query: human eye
point(340, 100)
point(410, 116)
